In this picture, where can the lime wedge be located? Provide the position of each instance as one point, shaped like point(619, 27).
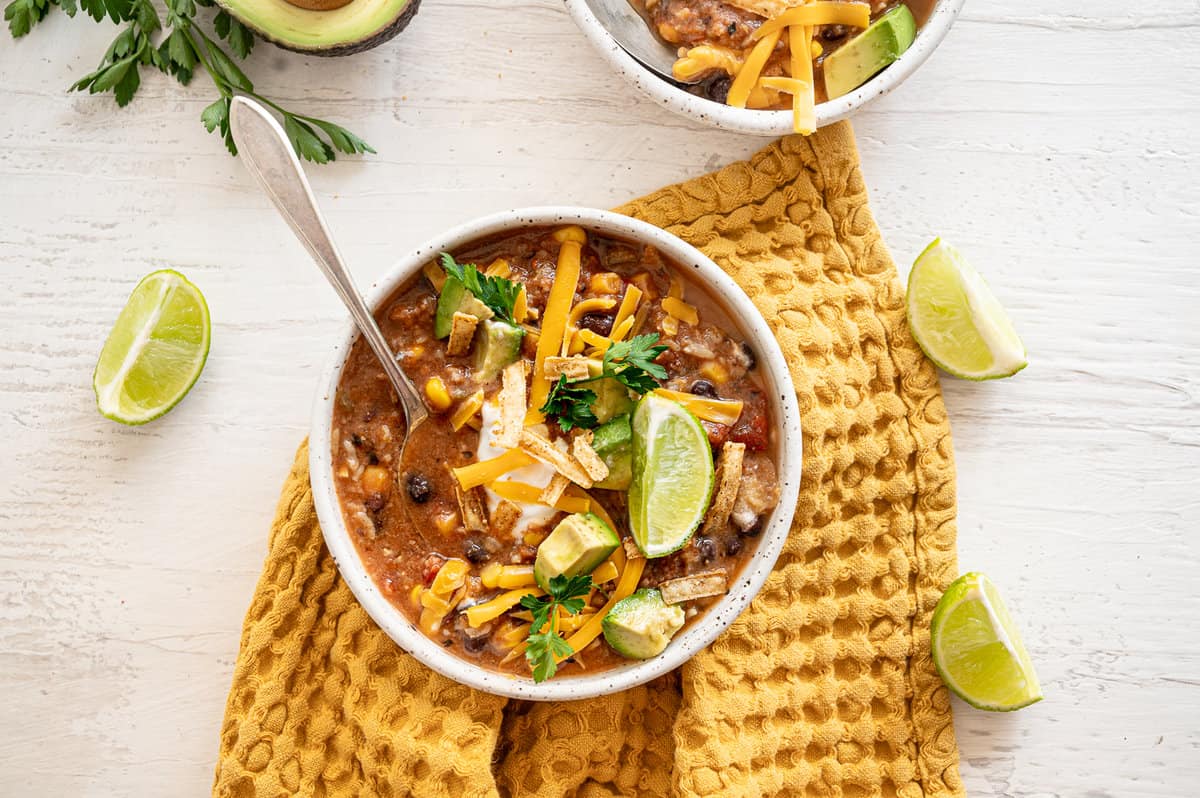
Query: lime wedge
point(957, 320)
point(155, 351)
point(672, 475)
point(977, 649)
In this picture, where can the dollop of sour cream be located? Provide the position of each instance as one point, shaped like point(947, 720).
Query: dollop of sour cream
point(537, 474)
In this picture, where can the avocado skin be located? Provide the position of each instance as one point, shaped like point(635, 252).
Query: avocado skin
point(390, 31)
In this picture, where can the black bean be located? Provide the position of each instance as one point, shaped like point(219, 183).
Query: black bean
point(475, 551)
point(599, 323)
point(718, 90)
point(707, 549)
point(475, 644)
point(372, 459)
point(753, 531)
point(831, 33)
point(751, 358)
point(356, 439)
point(733, 546)
point(375, 502)
point(703, 388)
point(419, 489)
point(447, 643)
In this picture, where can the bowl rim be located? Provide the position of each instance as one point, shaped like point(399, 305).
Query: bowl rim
point(757, 122)
point(692, 639)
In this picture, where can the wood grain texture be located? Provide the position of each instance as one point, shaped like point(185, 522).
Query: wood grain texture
point(1054, 144)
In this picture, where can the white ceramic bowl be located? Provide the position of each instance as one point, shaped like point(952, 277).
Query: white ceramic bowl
point(748, 120)
point(697, 635)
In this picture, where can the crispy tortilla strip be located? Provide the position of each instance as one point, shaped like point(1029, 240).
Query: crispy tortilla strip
point(581, 448)
point(632, 552)
point(694, 586)
point(512, 406)
point(542, 449)
point(729, 477)
point(470, 504)
point(505, 518)
point(553, 491)
point(573, 368)
point(462, 330)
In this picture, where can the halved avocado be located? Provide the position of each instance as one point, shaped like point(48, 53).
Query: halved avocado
point(324, 27)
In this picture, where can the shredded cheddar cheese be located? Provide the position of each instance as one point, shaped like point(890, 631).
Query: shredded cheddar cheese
point(706, 58)
point(681, 310)
point(629, 304)
point(490, 610)
point(747, 76)
point(528, 494)
point(821, 12)
point(718, 411)
point(554, 322)
point(804, 101)
point(485, 471)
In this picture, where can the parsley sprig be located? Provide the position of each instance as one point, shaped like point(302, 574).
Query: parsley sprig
point(630, 363)
point(544, 649)
point(497, 293)
point(180, 50)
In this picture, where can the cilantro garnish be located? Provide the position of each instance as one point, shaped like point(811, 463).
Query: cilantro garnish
point(497, 293)
point(570, 405)
point(544, 649)
point(630, 363)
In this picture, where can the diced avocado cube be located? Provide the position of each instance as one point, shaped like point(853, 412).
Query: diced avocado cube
point(577, 545)
point(613, 441)
point(455, 298)
point(497, 343)
point(641, 626)
point(856, 61)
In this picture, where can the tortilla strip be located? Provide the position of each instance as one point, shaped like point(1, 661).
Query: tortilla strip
point(553, 490)
point(462, 330)
point(573, 368)
point(512, 406)
point(729, 477)
point(766, 8)
point(471, 506)
point(632, 552)
point(581, 448)
point(542, 449)
point(694, 586)
point(505, 518)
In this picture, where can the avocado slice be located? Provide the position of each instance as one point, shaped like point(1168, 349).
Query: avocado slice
point(612, 398)
point(856, 61)
point(324, 27)
point(497, 343)
point(640, 626)
point(455, 298)
point(613, 441)
point(577, 545)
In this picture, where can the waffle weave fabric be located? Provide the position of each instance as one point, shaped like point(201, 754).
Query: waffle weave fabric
point(823, 687)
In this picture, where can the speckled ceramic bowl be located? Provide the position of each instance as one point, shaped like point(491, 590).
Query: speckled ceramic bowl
point(763, 123)
point(698, 634)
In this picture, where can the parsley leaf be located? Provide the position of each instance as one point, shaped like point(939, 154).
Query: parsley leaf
point(632, 363)
point(179, 51)
point(570, 405)
point(544, 649)
point(497, 293)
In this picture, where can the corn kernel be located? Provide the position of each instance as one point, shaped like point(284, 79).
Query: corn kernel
point(715, 372)
point(439, 397)
point(817, 49)
point(376, 479)
point(605, 283)
point(446, 522)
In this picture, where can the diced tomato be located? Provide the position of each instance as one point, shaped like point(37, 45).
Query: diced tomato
point(429, 568)
point(751, 430)
point(717, 433)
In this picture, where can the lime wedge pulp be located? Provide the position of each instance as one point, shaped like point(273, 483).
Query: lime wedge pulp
point(957, 320)
point(977, 649)
point(672, 475)
point(155, 351)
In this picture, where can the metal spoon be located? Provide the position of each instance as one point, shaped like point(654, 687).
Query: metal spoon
point(264, 148)
point(636, 37)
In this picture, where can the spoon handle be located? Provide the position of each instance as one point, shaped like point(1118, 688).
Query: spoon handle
point(264, 148)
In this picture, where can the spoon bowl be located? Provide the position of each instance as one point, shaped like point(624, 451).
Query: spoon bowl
point(635, 36)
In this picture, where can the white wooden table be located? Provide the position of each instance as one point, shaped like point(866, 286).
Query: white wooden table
point(1054, 142)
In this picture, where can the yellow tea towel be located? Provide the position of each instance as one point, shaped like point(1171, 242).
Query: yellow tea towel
point(823, 687)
